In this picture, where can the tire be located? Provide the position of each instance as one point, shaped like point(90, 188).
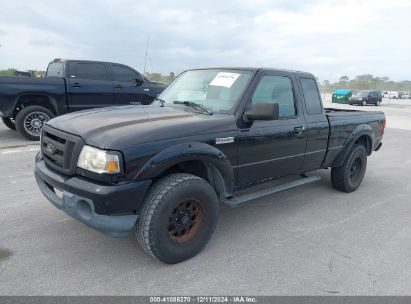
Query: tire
point(178, 218)
point(30, 120)
point(9, 122)
point(349, 176)
point(364, 103)
point(378, 103)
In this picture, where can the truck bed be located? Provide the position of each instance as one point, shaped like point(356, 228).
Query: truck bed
point(342, 123)
point(11, 88)
point(345, 112)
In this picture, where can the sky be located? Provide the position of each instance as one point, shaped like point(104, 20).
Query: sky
point(326, 38)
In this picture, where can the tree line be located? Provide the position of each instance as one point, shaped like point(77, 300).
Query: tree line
point(158, 77)
point(151, 76)
point(365, 82)
point(14, 72)
point(361, 82)
point(8, 72)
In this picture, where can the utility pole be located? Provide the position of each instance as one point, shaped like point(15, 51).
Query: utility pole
point(145, 59)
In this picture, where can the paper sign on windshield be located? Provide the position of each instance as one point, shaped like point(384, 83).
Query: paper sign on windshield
point(224, 79)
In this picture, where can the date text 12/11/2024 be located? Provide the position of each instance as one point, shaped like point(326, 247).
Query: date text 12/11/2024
point(203, 299)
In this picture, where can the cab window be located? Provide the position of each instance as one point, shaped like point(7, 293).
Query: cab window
point(92, 71)
point(55, 69)
point(311, 96)
point(123, 74)
point(276, 89)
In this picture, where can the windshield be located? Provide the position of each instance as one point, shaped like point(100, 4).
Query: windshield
point(215, 89)
point(362, 93)
point(55, 69)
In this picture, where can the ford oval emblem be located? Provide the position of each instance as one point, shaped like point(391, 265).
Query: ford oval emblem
point(50, 149)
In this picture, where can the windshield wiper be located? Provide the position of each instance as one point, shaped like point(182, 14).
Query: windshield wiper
point(162, 101)
point(194, 105)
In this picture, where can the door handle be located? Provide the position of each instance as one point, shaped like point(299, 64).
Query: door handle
point(118, 86)
point(76, 84)
point(299, 131)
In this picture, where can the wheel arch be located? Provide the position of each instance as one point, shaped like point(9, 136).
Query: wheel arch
point(194, 158)
point(363, 135)
point(35, 99)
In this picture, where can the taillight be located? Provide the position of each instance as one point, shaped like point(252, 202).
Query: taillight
point(384, 123)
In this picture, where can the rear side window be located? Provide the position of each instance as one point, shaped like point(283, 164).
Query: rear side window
point(311, 96)
point(124, 74)
point(276, 89)
point(55, 69)
point(93, 71)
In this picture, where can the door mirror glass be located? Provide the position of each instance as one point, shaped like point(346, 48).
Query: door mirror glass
point(263, 111)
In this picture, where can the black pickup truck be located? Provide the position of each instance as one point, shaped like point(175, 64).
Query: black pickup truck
point(70, 85)
point(211, 136)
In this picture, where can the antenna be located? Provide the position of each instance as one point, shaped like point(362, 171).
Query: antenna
point(145, 58)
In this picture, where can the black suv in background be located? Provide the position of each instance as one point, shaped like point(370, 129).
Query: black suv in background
point(27, 103)
point(365, 97)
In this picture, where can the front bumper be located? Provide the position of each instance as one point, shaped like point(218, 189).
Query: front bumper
point(97, 206)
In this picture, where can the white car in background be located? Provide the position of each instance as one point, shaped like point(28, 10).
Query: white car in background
point(404, 95)
point(391, 94)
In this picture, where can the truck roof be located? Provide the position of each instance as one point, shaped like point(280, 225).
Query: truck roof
point(255, 69)
point(81, 60)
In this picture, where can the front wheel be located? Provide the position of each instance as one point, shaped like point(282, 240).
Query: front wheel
point(30, 121)
point(9, 122)
point(364, 103)
point(378, 103)
point(349, 176)
point(178, 218)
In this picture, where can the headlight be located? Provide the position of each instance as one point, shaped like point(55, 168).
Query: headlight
point(98, 161)
point(359, 98)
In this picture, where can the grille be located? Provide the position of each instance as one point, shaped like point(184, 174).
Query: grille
point(60, 149)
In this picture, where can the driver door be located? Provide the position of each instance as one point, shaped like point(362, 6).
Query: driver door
point(269, 149)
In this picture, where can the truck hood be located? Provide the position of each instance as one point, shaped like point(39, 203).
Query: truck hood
point(125, 126)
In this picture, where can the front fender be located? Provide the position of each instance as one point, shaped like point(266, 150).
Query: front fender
point(187, 152)
point(361, 130)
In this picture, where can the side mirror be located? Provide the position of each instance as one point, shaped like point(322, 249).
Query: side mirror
point(139, 80)
point(263, 111)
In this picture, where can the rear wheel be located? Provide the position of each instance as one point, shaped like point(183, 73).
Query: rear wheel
point(30, 121)
point(349, 176)
point(178, 218)
point(378, 103)
point(9, 122)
